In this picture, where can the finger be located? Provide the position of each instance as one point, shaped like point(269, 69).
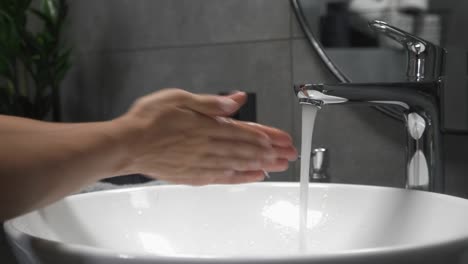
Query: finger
point(227, 129)
point(211, 105)
point(233, 163)
point(288, 153)
point(230, 149)
point(276, 166)
point(278, 137)
point(213, 176)
point(241, 177)
point(239, 97)
point(201, 176)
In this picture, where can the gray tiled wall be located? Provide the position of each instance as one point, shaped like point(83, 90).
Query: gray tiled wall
point(109, 25)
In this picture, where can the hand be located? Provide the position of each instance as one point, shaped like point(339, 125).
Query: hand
point(185, 138)
point(281, 141)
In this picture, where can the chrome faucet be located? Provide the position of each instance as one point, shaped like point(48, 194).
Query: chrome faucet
point(418, 97)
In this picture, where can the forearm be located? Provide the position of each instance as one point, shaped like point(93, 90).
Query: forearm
point(171, 135)
point(42, 162)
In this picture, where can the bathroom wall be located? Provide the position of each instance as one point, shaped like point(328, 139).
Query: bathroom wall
point(456, 146)
point(124, 49)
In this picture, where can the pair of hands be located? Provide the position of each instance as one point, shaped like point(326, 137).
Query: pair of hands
point(185, 138)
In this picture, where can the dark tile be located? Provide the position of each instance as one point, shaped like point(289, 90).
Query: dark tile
point(81, 91)
point(6, 254)
point(370, 64)
point(311, 12)
point(128, 25)
point(366, 147)
point(456, 164)
point(296, 30)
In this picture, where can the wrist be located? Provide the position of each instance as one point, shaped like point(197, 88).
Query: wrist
point(102, 146)
point(122, 135)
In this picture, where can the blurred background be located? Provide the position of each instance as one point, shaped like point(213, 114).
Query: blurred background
point(87, 60)
point(99, 56)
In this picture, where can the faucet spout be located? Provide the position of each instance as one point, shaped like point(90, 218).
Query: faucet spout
point(419, 95)
point(421, 109)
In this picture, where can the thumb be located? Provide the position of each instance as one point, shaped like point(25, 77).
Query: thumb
point(211, 105)
point(239, 97)
point(215, 105)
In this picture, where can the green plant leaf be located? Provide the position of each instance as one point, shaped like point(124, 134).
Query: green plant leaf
point(62, 65)
point(9, 39)
point(49, 8)
point(49, 21)
point(32, 47)
point(39, 53)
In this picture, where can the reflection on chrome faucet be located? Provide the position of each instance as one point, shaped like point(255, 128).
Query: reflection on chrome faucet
point(419, 97)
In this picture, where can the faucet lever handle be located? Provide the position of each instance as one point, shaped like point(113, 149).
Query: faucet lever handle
point(425, 59)
point(412, 43)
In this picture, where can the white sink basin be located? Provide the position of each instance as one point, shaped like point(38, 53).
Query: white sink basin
point(255, 223)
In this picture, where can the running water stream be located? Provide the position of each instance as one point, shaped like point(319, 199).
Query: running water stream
point(309, 113)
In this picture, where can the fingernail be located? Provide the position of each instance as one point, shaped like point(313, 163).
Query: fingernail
point(228, 105)
point(294, 158)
